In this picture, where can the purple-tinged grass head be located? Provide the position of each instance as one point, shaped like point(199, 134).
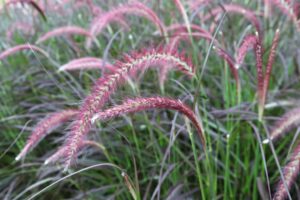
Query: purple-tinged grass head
point(21, 47)
point(141, 104)
point(247, 44)
point(264, 79)
point(32, 3)
point(86, 63)
point(290, 173)
point(106, 86)
point(65, 30)
point(44, 127)
point(114, 15)
point(287, 122)
point(62, 152)
point(231, 63)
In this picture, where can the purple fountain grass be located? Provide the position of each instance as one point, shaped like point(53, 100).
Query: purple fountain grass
point(87, 63)
point(264, 79)
point(65, 30)
point(44, 127)
point(141, 104)
point(290, 173)
point(238, 9)
point(21, 47)
point(270, 66)
point(247, 44)
point(62, 151)
point(106, 85)
point(135, 8)
point(287, 122)
point(260, 76)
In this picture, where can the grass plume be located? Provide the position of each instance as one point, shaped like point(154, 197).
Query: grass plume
point(44, 127)
point(86, 63)
point(65, 30)
point(21, 47)
point(133, 8)
point(141, 104)
point(290, 173)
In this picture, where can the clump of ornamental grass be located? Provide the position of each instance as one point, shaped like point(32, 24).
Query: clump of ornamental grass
point(114, 15)
point(21, 47)
point(65, 30)
point(106, 85)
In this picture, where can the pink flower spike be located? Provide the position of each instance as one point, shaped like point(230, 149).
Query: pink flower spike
point(17, 48)
point(287, 122)
point(65, 30)
point(114, 15)
point(106, 85)
point(44, 127)
point(22, 26)
point(260, 77)
point(290, 173)
point(248, 43)
point(141, 104)
point(86, 63)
